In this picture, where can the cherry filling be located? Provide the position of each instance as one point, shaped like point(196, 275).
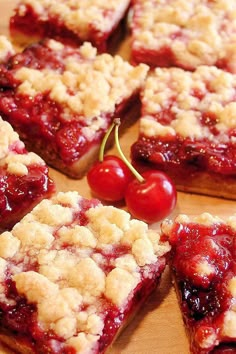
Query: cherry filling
point(186, 154)
point(203, 261)
point(164, 58)
point(18, 194)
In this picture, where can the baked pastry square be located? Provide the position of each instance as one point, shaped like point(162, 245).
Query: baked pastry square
point(24, 178)
point(72, 273)
point(184, 33)
point(61, 100)
point(203, 262)
point(188, 129)
point(100, 22)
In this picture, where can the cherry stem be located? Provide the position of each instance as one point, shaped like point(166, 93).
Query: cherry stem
point(116, 123)
point(104, 141)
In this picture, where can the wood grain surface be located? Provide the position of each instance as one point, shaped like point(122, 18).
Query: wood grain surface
point(158, 327)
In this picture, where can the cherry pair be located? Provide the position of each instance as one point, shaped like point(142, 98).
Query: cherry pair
point(149, 196)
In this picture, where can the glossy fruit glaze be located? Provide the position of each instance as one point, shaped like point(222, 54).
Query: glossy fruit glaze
point(173, 152)
point(30, 25)
point(64, 140)
point(19, 194)
point(19, 319)
point(163, 57)
point(204, 298)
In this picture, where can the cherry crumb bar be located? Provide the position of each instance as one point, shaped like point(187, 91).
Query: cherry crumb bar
point(72, 274)
point(184, 33)
point(188, 129)
point(61, 100)
point(203, 261)
point(24, 179)
point(74, 22)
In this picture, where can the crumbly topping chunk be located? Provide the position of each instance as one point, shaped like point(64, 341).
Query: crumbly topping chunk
point(202, 219)
point(8, 137)
point(79, 16)
point(196, 32)
point(58, 262)
point(187, 96)
point(206, 219)
point(15, 163)
point(6, 48)
point(124, 281)
point(232, 287)
point(229, 326)
point(74, 87)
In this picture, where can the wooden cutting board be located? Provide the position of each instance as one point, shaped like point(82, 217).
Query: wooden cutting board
point(158, 327)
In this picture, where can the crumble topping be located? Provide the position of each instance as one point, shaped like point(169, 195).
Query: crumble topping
point(83, 342)
point(232, 221)
point(209, 339)
point(204, 268)
point(79, 16)
point(232, 287)
point(15, 163)
point(51, 214)
point(9, 245)
point(229, 324)
point(79, 235)
point(187, 95)
point(71, 282)
point(8, 137)
point(6, 48)
point(203, 219)
point(74, 89)
point(197, 32)
point(119, 284)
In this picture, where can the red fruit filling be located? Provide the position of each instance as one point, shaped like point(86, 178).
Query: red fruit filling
point(181, 154)
point(203, 261)
point(19, 194)
point(163, 58)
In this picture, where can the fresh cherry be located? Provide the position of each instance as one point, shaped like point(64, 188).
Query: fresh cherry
point(149, 197)
point(109, 178)
point(152, 198)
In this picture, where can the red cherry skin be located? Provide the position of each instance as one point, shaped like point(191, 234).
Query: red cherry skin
point(109, 179)
point(153, 199)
